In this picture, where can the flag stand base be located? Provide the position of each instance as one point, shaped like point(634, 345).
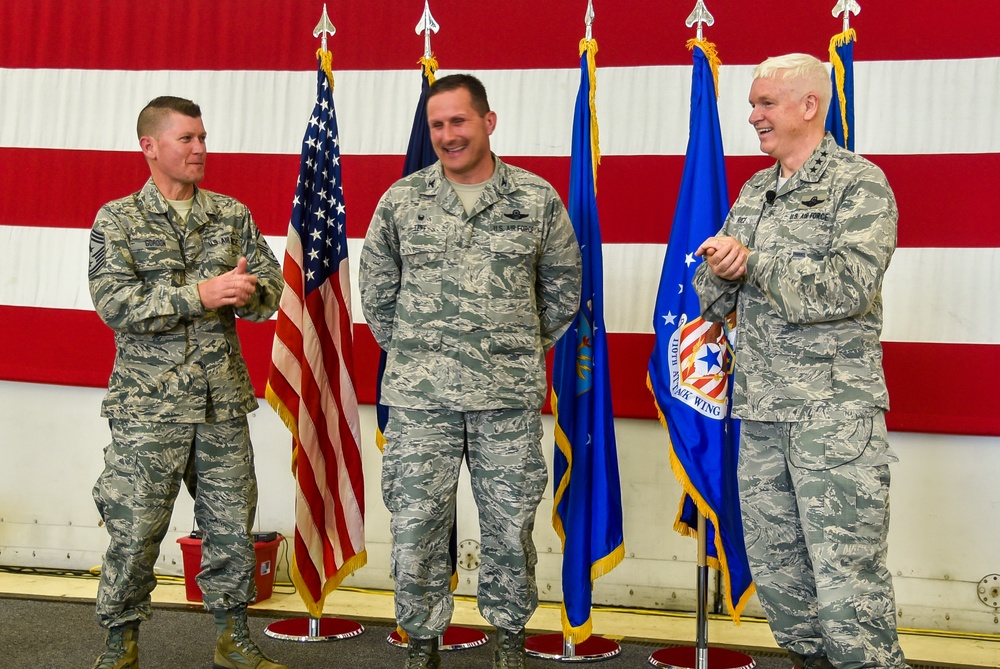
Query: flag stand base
point(313, 629)
point(455, 637)
point(700, 656)
point(557, 647)
point(686, 657)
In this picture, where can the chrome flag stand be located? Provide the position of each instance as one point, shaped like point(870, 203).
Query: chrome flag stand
point(558, 647)
point(700, 656)
point(313, 628)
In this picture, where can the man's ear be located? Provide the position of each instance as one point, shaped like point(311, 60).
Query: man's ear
point(148, 146)
point(810, 106)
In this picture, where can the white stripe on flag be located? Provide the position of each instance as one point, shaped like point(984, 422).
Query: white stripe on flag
point(641, 108)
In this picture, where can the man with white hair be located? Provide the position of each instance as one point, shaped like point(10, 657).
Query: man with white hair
point(801, 259)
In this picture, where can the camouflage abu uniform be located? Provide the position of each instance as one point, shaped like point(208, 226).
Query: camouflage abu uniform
point(465, 305)
point(809, 386)
point(178, 394)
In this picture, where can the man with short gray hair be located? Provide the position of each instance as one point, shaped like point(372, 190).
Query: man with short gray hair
point(801, 258)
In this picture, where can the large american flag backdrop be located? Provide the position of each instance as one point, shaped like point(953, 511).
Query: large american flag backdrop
point(74, 74)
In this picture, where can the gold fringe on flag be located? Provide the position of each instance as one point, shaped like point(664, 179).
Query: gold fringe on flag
point(590, 46)
point(712, 53)
point(430, 65)
point(326, 62)
point(840, 39)
point(719, 563)
point(287, 418)
point(597, 569)
point(315, 608)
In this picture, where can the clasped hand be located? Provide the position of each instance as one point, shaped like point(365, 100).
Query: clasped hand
point(726, 257)
point(235, 288)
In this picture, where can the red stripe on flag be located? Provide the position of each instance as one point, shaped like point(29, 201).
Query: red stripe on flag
point(37, 349)
point(625, 212)
point(920, 400)
point(307, 570)
point(228, 34)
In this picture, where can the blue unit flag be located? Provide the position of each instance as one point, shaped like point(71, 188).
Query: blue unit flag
point(689, 370)
point(840, 119)
point(587, 505)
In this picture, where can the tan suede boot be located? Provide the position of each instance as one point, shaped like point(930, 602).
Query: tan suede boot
point(235, 649)
point(122, 648)
point(422, 654)
point(509, 652)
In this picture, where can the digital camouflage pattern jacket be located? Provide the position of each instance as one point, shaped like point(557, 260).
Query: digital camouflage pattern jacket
point(175, 361)
point(465, 305)
point(809, 310)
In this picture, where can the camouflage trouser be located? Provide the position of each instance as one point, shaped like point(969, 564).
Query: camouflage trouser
point(815, 500)
point(143, 468)
point(419, 481)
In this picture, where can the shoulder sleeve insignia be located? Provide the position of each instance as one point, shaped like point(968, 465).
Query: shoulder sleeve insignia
point(97, 253)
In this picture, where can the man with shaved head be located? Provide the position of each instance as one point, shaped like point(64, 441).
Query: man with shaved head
point(801, 259)
point(171, 268)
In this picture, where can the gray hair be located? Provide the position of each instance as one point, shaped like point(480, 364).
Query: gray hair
point(808, 72)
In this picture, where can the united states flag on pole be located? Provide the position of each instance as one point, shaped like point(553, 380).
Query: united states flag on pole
point(311, 380)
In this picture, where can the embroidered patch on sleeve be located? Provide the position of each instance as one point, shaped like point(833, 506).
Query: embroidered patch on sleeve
point(97, 253)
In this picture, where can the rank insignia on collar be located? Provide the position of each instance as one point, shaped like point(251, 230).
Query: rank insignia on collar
point(516, 215)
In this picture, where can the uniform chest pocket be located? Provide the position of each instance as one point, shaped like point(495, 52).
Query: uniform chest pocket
point(423, 242)
point(513, 262)
point(153, 254)
point(222, 251)
point(519, 244)
point(804, 226)
point(423, 261)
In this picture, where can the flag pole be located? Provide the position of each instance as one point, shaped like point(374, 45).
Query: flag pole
point(315, 627)
point(563, 646)
point(700, 656)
